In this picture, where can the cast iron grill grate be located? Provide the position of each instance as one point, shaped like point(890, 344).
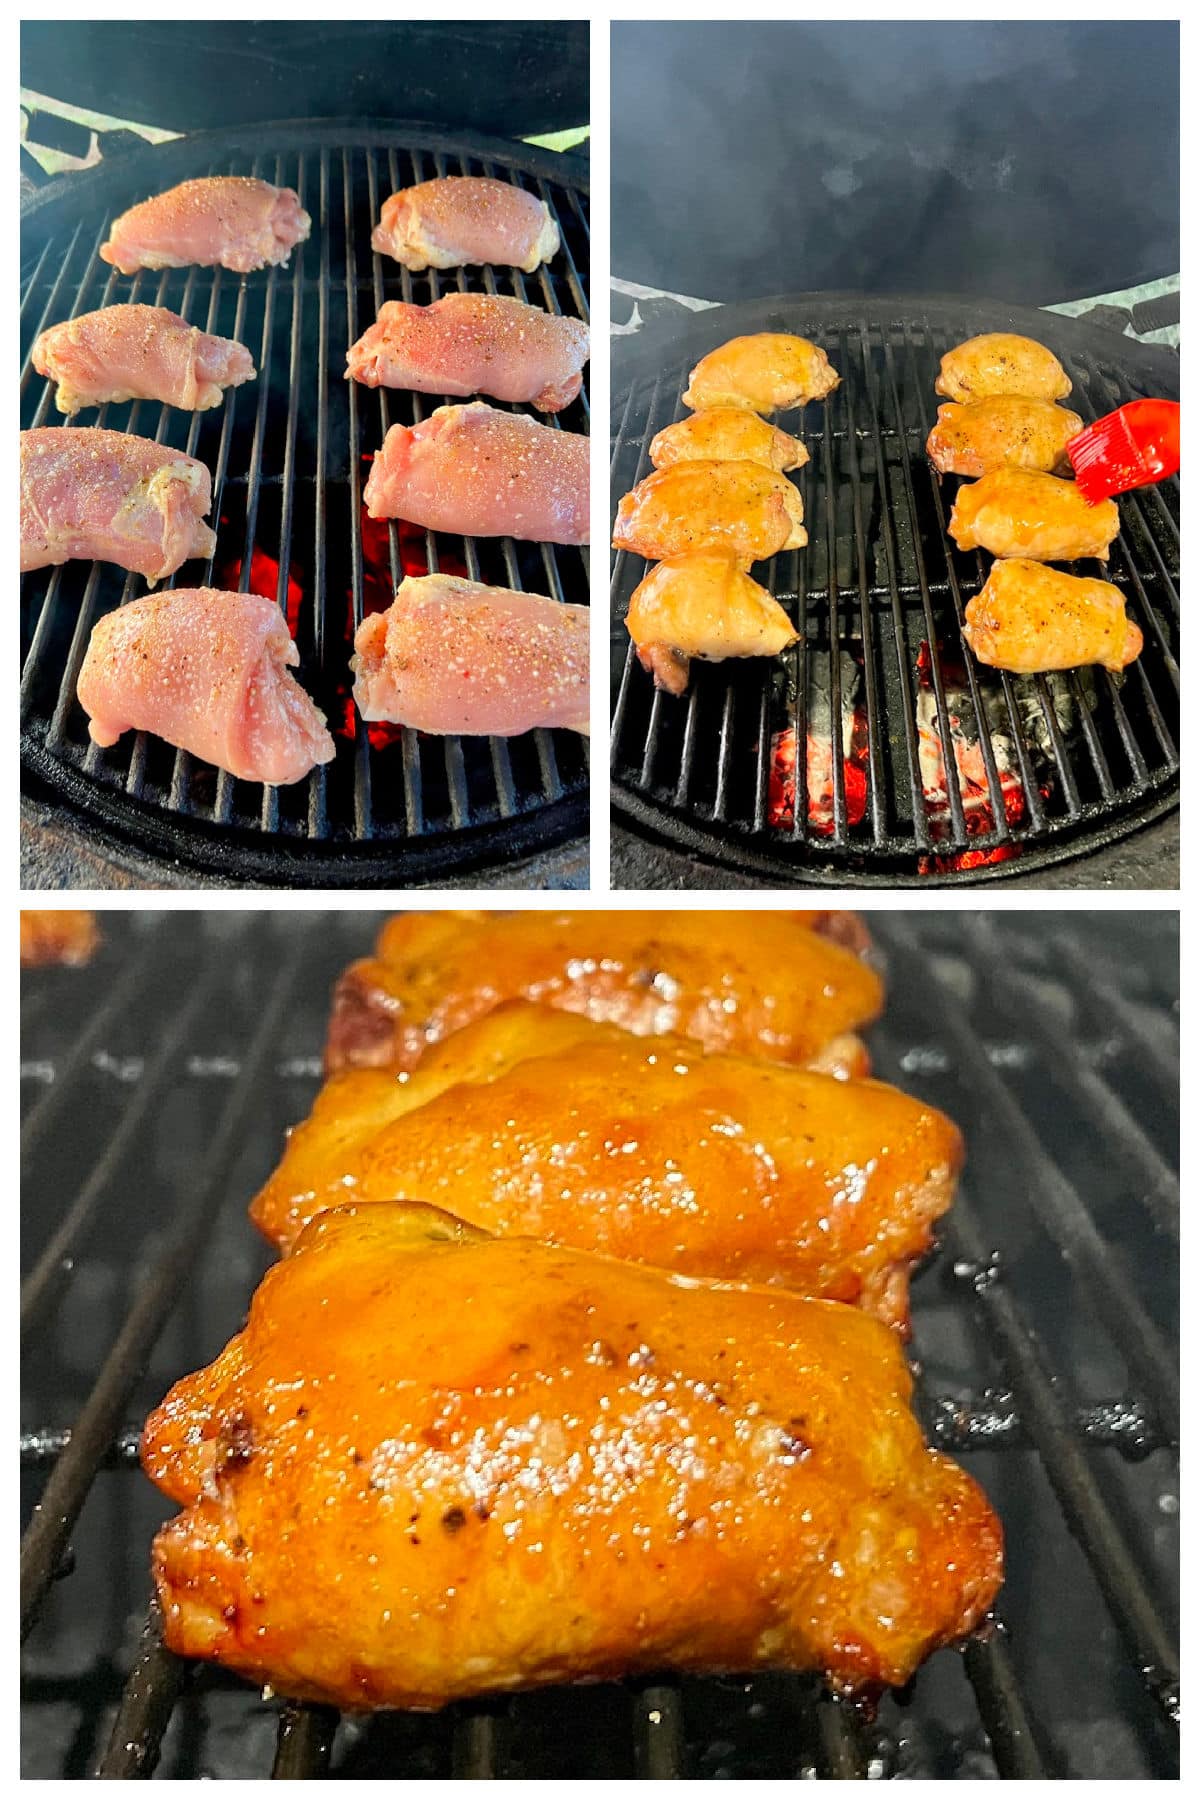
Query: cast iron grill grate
point(1046, 1331)
point(878, 750)
point(289, 455)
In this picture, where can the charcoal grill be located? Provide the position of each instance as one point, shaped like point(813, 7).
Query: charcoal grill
point(829, 764)
point(1046, 1333)
point(289, 455)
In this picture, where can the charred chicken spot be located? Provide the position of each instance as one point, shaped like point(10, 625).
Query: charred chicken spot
point(453, 1519)
point(518, 1349)
point(302, 1412)
point(793, 1445)
point(235, 1443)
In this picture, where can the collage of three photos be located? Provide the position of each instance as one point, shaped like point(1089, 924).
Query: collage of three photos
point(505, 1293)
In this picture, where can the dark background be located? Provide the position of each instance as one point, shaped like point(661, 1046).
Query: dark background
point(1037, 162)
point(508, 79)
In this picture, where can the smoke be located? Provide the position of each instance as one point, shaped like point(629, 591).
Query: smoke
point(1003, 159)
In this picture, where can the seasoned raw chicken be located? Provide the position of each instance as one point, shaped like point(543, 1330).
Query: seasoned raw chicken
point(767, 372)
point(727, 434)
point(484, 473)
point(740, 507)
point(437, 1465)
point(1000, 362)
point(1007, 431)
point(58, 937)
point(782, 990)
point(451, 655)
point(1020, 512)
point(1028, 618)
point(139, 353)
point(103, 494)
point(702, 604)
point(209, 672)
point(544, 1124)
point(461, 219)
point(474, 344)
point(235, 221)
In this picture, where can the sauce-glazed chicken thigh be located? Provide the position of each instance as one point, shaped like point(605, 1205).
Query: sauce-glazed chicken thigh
point(741, 507)
point(544, 1124)
point(1007, 431)
point(58, 936)
point(1031, 619)
point(702, 604)
point(1000, 362)
point(1020, 512)
point(774, 986)
point(435, 1465)
point(727, 434)
point(769, 371)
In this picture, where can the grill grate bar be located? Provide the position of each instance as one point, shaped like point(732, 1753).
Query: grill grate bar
point(362, 760)
point(318, 820)
point(55, 1267)
point(1162, 1064)
point(1055, 1202)
point(67, 1488)
point(1095, 1100)
point(155, 1684)
point(475, 1749)
point(658, 1732)
point(1006, 1719)
point(304, 1744)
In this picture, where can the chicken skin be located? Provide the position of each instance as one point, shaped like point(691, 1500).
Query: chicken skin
point(783, 990)
point(1031, 619)
point(1007, 431)
point(485, 473)
point(474, 344)
point(435, 1465)
point(460, 219)
point(234, 221)
point(58, 937)
point(1021, 512)
point(451, 655)
point(740, 507)
point(1000, 362)
point(210, 672)
point(139, 353)
point(106, 495)
point(729, 1166)
point(702, 604)
point(767, 372)
point(727, 434)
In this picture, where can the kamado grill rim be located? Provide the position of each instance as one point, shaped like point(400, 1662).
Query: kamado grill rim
point(289, 472)
point(695, 772)
point(1046, 1330)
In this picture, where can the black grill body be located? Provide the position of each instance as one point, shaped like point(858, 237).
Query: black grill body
point(828, 765)
point(156, 1089)
point(289, 455)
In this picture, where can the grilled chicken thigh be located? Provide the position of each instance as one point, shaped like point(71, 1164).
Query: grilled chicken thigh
point(740, 507)
point(1007, 431)
point(139, 353)
point(485, 473)
point(474, 344)
point(767, 372)
point(91, 493)
point(727, 434)
point(1029, 619)
point(235, 221)
point(455, 656)
point(780, 989)
point(541, 1123)
point(1020, 512)
point(57, 937)
point(459, 219)
point(435, 1465)
point(702, 604)
point(208, 671)
point(1000, 362)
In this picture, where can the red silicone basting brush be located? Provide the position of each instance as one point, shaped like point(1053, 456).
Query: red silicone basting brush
point(1132, 447)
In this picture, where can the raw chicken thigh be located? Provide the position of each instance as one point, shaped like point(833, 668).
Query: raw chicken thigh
point(91, 493)
point(209, 672)
point(232, 220)
point(474, 344)
point(139, 353)
point(455, 656)
point(461, 219)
